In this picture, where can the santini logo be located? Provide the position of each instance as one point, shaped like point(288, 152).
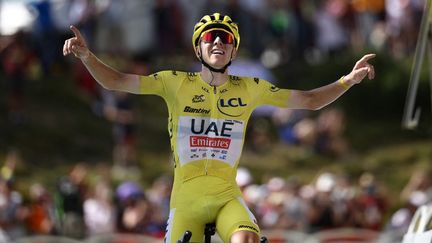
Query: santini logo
point(195, 110)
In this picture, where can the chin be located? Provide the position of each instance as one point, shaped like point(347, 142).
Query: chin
point(218, 63)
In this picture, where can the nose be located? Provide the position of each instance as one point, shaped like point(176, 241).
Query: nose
point(218, 41)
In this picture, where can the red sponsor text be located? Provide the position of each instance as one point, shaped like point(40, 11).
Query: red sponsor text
point(202, 141)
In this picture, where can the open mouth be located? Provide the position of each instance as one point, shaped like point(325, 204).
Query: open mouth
point(217, 52)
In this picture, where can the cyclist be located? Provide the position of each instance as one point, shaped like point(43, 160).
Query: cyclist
point(208, 114)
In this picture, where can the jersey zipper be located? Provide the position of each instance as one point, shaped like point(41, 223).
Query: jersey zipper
point(213, 110)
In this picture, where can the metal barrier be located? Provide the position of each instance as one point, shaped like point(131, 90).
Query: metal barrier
point(123, 238)
point(420, 229)
point(346, 235)
point(46, 239)
point(283, 236)
point(106, 238)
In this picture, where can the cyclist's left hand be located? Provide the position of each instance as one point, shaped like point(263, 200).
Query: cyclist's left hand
point(361, 69)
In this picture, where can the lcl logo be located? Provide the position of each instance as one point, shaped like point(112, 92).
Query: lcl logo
point(233, 102)
point(233, 107)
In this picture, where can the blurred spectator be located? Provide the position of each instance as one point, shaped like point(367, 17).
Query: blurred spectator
point(16, 61)
point(371, 203)
point(137, 18)
point(399, 23)
point(281, 25)
point(254, 196)
point(305, 131)
point(252, 15)
point(191, 10)
point(272, 210)
point(83, 14)
point(303, 35)
point(135, 215)
point(159, 194)
point(283, 208)
point(169, 32)
point(260, 135)
point(13, 159)
point(295, 207)
point(40, 219)
point(109, 26)
point(418, 188)
point(243, 178)
point(159, 197)
point(323, 135)
point(285, 120)
point(134, 209)
point(12, 211)
point(330, 133)
point(72, 191)
point(344, 196)
point(368, 13)
point(121, 113)
point(3, 236)
point(45, 35)
point(331, 35)
point(321, 214)
point(99, 210)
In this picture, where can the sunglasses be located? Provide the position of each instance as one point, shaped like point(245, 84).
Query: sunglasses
point(210, 36)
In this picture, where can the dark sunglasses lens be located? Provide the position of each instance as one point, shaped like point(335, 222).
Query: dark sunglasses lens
point(207, 37)
point(212, 35)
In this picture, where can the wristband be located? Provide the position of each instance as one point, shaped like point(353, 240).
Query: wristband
point(342, 82)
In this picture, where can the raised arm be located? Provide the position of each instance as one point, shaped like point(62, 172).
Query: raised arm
point(318, 98)
point(105, 75)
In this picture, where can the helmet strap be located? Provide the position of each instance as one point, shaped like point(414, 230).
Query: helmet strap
point(217, 70)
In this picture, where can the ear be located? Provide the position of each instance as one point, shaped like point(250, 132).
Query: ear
point(233, 54)
point(198, 52)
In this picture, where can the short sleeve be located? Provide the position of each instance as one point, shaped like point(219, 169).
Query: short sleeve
point(268, 94)
point(153, 84)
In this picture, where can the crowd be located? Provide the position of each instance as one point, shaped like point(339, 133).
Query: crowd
point(89, 201)
point(83, 204)
point(135, 36)
point(294, 28)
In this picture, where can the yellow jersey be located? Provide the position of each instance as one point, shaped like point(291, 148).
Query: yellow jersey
point(207, 123)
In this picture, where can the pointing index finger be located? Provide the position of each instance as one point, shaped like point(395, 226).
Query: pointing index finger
point(366, 57)
point(76, 32)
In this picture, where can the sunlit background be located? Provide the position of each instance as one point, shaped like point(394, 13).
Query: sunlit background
point(80, 162)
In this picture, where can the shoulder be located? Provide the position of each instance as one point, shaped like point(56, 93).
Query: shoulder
point(248, 81)
point(167, 75)
point(175, 74)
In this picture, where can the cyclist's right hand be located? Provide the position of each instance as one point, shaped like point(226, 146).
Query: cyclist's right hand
point(76, 45)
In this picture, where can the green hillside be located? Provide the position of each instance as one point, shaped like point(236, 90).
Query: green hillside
point(60, 128)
